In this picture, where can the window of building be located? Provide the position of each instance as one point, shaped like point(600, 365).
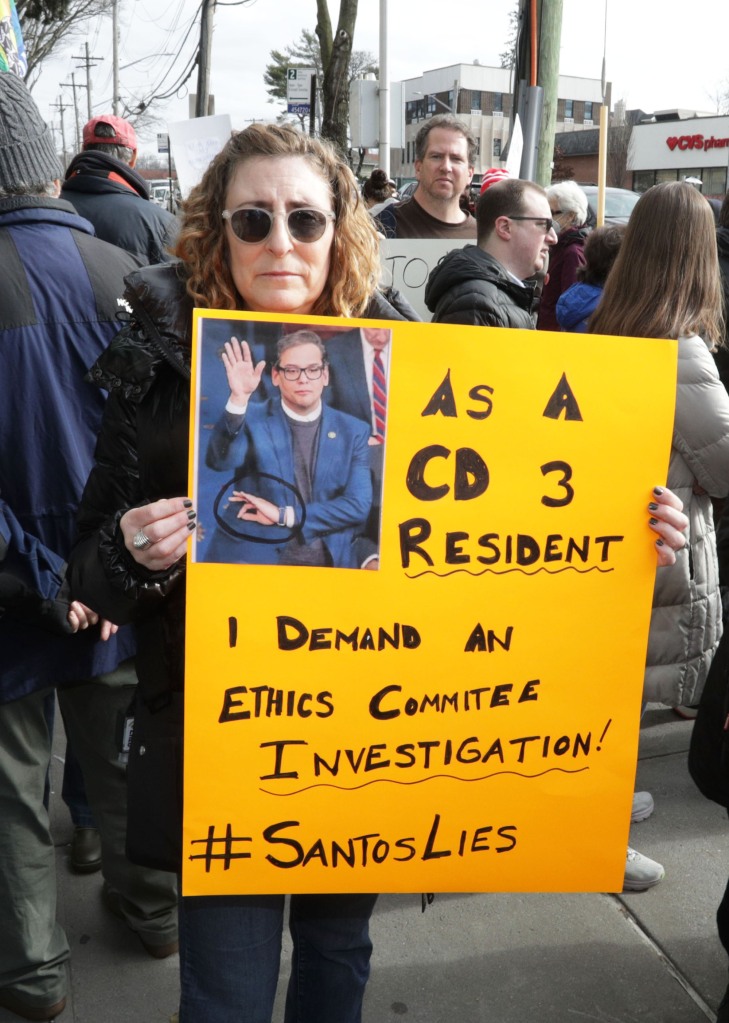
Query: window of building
point(643, 180)
point(588, 110)
point(715, 181)
point(497, 148)
point(498, 99)
point(666, 175)
point(569, 108)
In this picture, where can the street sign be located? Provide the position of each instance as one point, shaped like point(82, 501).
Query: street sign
point(298, 90)
point(163, 142)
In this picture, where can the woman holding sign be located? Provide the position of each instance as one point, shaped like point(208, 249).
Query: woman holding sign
point(665, 284)
point(276, 225)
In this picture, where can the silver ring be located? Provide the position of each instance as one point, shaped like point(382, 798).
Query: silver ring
point(141, 541)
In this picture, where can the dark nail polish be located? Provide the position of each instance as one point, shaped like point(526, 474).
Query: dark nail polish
point(187, 504)
point(191, 514)
point(652, 507)
point(652, 522)
point(660, 543)
point(190, 525)
point(658, 491)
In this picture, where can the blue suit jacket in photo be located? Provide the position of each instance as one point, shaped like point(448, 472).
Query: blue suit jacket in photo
point(261, 442)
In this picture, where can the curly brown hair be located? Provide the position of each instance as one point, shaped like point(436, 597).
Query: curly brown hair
point(202, 244)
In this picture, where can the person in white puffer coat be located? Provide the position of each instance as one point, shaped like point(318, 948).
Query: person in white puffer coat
point(665, 284)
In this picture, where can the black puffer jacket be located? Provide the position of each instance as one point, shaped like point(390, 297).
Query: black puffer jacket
point(142, 456)
point(470, 286)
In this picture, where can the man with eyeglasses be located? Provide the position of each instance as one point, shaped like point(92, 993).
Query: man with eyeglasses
point(487, 284)
point(302, 490)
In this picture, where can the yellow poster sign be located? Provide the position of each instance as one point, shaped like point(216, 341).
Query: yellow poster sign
point(415, 664)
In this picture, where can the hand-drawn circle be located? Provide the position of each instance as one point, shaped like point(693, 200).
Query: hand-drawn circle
point(236, 533)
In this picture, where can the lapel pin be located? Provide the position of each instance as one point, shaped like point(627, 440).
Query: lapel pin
point(331, 435)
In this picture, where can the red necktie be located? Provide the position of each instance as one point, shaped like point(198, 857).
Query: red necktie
point(379, 394)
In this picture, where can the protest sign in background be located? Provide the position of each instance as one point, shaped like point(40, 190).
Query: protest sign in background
point(466, 717)
point(407, 264)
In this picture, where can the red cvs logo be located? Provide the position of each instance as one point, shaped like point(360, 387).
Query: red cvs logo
point(672, 142)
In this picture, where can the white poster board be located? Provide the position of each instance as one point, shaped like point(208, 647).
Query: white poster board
point(194, 144)
point(406, 265)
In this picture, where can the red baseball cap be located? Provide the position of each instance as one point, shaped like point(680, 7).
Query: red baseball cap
point(114, 131)
point(492, 176)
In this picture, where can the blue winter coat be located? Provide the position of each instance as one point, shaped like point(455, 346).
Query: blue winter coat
point(576, 305)
point(59, 294)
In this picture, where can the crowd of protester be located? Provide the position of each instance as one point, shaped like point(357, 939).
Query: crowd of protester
point(92, 577)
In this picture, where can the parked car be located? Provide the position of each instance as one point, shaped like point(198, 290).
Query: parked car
point(619, 203)
point(407, 190)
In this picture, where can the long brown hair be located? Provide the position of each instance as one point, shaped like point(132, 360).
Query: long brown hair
point(665, 281)
point(202, 243)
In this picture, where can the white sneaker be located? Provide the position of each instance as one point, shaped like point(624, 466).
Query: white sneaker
point(643, 806)
point(641, 872)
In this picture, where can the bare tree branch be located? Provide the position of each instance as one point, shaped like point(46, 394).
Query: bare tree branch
point(47, 23)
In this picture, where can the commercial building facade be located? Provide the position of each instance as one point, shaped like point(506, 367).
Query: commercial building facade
point(674, 147)
point(482, 98)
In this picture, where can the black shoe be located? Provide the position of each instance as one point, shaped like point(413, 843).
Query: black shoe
point(41, 1013)
point(85, 851)
point(112, 900)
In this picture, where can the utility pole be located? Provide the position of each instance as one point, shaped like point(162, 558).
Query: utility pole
point(115, 56)
point(550, 33)
point(384, 92)
point(88, 63)
point(64, 85)
point(203, 58)
point(61, 106)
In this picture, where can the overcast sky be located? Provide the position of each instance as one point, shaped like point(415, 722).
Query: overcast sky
point(658, 56)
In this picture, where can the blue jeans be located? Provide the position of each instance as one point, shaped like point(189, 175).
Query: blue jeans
point(230, 952)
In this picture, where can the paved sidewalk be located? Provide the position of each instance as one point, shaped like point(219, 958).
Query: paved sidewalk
point(652, 957)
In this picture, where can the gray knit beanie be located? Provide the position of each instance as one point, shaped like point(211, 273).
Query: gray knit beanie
point(27, 153)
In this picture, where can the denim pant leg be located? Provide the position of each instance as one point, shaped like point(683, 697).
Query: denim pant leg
point(331, 959)
point(33, 947)
point(230, 952)
point(91, 712)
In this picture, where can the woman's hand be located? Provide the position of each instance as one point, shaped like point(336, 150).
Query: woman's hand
point(256, 509)
point(166, 525)
point(243, 376)
point(80, 617)
point(668, 520)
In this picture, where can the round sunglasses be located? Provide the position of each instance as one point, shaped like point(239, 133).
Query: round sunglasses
point(253, 225)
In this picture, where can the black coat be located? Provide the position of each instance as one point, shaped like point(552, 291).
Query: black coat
point(115, 198)
point(142, 456)
point(470, 286)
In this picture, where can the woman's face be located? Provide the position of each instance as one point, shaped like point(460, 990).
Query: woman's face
point(561, 217)
point(279, 274)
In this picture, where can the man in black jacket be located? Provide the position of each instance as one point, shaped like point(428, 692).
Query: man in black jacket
point(103, 186)
point(486, 284)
